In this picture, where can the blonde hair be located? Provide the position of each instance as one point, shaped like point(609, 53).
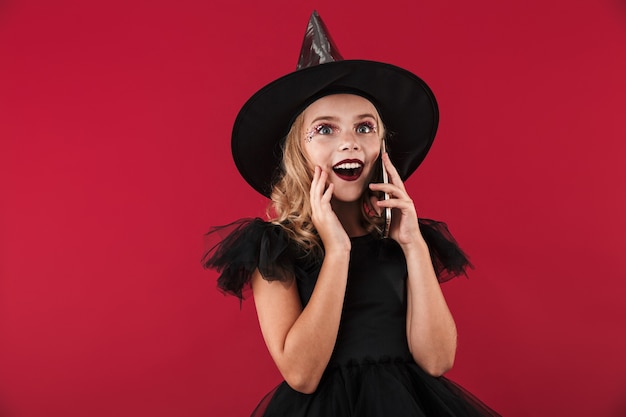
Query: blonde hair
point(290, 206)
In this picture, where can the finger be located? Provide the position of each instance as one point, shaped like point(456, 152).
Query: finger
point(317, 189)
point(321, 185)
point(314, 182)
point(320, 194)
point(317, 182)
point(393, 190)
point(395, 203)
point(405, 206)
point(328, 194)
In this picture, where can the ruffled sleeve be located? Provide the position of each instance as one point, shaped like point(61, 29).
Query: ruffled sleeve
point(245, 245)
point(446, 255)
point(249, 244)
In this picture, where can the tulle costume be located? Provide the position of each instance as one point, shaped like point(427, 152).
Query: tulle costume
point(371, 372)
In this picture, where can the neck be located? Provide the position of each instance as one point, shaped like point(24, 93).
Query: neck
point(349, 215)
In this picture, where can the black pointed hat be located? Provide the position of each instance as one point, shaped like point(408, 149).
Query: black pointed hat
point(404, 102)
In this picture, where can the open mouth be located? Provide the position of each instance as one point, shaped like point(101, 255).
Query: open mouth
point(348, 170)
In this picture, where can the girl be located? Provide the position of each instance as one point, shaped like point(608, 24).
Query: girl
point(355, 322)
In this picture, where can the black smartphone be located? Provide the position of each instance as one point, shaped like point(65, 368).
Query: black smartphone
point(387, 213)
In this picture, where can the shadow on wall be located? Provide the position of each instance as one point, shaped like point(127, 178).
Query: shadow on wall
point(622, 407)
point(621, 4)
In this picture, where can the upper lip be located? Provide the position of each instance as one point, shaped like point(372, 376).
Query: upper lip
point(348, 161)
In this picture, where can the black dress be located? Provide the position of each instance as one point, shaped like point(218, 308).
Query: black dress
point(371, 372)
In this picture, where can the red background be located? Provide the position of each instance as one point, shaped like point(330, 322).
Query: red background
point(115, 120)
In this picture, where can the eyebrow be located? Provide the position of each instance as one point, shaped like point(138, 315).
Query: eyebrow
point(335, 119)
point(329, 118)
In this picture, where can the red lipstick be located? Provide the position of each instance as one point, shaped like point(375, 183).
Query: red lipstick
point(348, 169)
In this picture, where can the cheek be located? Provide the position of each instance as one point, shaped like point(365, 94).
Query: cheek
point(316, 155)
point(373, 154)
point(373, 149)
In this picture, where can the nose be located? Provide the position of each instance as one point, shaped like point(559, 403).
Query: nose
point(349, 141)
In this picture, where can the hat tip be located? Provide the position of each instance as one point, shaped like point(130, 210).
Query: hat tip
point(317, 46)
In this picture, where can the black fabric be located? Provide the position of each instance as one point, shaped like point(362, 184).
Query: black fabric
point(371, 372)
point(404, 102)
point(237, 249)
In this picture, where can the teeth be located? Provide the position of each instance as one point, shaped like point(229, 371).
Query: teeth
point(351, 165)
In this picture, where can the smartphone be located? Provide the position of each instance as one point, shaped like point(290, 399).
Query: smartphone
point(387, 213)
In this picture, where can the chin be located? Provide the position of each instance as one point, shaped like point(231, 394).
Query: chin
point(346, 196)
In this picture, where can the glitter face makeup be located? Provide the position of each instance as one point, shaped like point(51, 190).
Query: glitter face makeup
point(328, 129)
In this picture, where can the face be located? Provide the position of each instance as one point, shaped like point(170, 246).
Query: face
point(342, 135)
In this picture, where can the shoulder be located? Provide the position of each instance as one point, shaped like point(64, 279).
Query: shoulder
point(238, 249)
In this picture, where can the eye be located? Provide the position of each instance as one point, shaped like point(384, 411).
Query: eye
point(366, 127)
point(324, 129)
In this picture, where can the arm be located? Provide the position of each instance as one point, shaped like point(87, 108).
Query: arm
point(299, 340)
point(431, 332)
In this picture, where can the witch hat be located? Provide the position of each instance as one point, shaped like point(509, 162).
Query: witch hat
point(405, 103)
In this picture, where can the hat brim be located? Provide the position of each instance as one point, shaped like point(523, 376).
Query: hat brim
point(406, 105)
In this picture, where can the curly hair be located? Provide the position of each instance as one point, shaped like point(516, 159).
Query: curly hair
point(290, 207)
